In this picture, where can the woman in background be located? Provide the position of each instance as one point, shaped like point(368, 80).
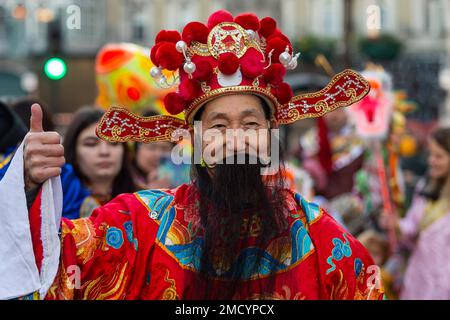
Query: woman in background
point(100, 166)
point(426, 227)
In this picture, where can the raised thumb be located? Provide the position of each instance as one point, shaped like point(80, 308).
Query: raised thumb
point(36, 118)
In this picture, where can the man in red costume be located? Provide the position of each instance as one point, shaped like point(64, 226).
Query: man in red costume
point(232, 233)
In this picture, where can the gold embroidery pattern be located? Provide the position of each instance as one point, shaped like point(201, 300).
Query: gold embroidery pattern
point(339, 290)
point(290, 113)
point(108, 286)
point(171, 292)
point(85, 240)
point(163, 127)
point(285, 295)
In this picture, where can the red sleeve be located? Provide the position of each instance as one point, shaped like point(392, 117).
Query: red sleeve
point(99, 255)
point(347, 270)
point(34, 216)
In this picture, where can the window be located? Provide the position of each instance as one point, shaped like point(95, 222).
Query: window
point(92, 33)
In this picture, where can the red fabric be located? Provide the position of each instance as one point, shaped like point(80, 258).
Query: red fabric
point(189, 89)
point(168, 36)
point(275, 73)
point(34, 215)
point(203, 71)
point(168, 57)
point(219, 17)
point(268, 26)
point(284, 93)
point(195, 31)
point(153, 52)
point(228, 63)
point(251, 64)
point(278, 45)
point(248, 21)
point(174, 103)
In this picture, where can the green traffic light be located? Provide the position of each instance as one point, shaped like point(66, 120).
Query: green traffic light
point(55, 68)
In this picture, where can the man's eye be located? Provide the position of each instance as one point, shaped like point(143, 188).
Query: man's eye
point(252, 124)
point(218, 126)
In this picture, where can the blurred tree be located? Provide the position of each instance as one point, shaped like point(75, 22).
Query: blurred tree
point(311, 46)
point(382, 48)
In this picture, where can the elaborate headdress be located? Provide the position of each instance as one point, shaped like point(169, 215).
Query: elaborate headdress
point(227, 56)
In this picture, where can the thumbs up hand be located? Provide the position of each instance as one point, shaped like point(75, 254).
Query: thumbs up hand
point(43, 152)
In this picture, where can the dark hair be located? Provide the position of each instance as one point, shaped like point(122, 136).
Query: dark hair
point(23, 109)
point(123, 183)
point(435, 188)
point(12, 130)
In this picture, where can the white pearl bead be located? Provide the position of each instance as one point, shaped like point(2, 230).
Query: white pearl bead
point(181, 46)
point(155, 72)
point(162, 81)
point(189, 67)
point(293, 64)
point(285, 58)
point(251, 34)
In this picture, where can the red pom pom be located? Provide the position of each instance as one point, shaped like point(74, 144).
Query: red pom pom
point(203, 70)
point(153, 53)
point(279, 34)
point(275, 73)
point(248, 21)
point(218, 17)
point(189, 89)
point(268, 26)
point(278, 45)
point(168, 57)
point(174, 103)
point(195, 31)
point(251, 63)
point(228, 63)
point(172, 36)
point(284, 93)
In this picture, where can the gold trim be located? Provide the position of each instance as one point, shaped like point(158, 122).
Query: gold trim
point(171, 292)
point(238, 52)
point(116, 130)
point(321, 106)
point(207, 49)
point(199, 49)
point(200, 101)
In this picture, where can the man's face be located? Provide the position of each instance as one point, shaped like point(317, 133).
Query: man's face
point(234, 124)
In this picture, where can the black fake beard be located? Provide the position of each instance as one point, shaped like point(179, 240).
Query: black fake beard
point(237, 210)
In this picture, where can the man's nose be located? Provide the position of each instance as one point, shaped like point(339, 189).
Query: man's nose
point(235, 140)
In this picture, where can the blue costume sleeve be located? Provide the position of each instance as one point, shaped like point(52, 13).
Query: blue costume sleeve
point(74, 193)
